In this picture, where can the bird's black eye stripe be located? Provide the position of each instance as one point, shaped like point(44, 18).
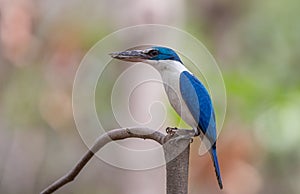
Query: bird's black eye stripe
point(153, 53)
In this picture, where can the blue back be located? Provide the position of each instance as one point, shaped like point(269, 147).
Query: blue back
point(199, 103)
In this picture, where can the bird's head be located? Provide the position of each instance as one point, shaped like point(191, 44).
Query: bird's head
point(148, 55)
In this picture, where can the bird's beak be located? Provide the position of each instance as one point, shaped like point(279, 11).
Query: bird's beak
point(131, 55)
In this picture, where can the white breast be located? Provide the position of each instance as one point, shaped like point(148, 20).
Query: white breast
point(170, 72)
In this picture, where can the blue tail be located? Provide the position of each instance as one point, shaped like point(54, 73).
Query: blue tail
point(214, 157)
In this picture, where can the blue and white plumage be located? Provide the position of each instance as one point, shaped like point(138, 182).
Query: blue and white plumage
point(186, 93)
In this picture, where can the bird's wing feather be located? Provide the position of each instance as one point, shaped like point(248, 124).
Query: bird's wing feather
point(214, 158)
point(199, 103)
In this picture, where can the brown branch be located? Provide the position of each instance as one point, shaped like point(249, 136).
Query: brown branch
point(174, 159)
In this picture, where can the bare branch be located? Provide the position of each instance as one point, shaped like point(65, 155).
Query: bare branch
point(116, 134)
point(176, 156)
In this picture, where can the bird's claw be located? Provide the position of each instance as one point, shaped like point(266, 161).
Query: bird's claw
point(197, 133)
point(184, 137)
point(171, 130)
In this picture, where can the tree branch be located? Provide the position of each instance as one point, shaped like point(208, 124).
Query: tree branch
point(179, 163)
point(177, 168)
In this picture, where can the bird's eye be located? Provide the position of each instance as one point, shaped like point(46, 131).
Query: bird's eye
point(153, 53)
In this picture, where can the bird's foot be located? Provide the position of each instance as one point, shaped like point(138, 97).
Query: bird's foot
point(197, 133)
point(171, 130)
point(182, 134)
point(185, 137)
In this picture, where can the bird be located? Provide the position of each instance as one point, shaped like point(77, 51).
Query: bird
point(186, 94)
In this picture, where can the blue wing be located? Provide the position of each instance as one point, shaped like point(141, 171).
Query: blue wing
point(199, 103)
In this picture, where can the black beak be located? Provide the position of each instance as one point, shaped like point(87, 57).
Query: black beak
point(131, 55)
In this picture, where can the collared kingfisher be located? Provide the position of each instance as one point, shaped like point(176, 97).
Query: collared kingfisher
point(187, 95)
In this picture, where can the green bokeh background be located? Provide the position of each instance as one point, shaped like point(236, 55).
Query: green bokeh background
point(256, 44)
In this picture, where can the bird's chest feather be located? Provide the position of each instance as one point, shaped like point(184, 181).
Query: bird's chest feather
point(172, 87)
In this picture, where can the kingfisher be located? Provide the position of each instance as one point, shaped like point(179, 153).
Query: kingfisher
point(187, 95)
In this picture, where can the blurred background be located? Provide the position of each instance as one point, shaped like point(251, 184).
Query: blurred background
point(256, 44)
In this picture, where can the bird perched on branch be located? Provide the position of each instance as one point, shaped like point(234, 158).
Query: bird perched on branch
point(186, 93)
